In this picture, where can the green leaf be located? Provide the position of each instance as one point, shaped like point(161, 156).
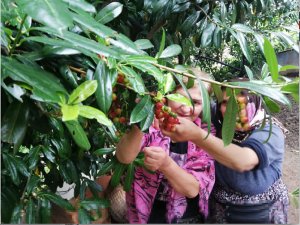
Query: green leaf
point(288, 40)
point(217, 37)
point(30, 212)
point(109, 12)
point(242, 28)
point(34, 156)
point(135, 79)
point(93, 185)
point(93, 113)
point(107, 167)
point(52, 13)
point(81, 4)
point(170, 51)
point(15, 90)
point(169, 83)
point(84, 217)
point(271, 58)
point(262, 88)
point(69, 112)
point(288, 67)
point(141, 110)
point(228, 126)
point(9, 165)
point(189, 22)
point(260, 41)
point(14, 123)
point(32, 183)
point(162, 44)
point(78, 134)
point(223, 11)
point(249, 72)
point(129, 177)
point(104, 90)
point(148, 68)
point(104, 151)
point(21, 167)
point(147, 122)
point(58, 200)
point(45, 85)
point(121, 43)
point(179, 98)
point(68, 75)
point(118, 172)
point(45, 211)
point(207, 35)
point(206, 115)
point(16, 217)
point(272, 106)
point(244, 46)
point(91, 204)
point(69, 171)
point(218, 92)
point(83, 91)
point(143, 44)
point(264, 71)
point(139, 59)
point(62, 145)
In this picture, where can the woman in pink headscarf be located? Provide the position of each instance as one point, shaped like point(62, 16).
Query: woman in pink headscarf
point(178, 190)
point(248, 188)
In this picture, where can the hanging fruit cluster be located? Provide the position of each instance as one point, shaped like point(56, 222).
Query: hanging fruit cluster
point(164, 112)
point(242, 123)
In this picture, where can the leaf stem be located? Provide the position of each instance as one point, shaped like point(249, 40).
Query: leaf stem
point(18, 35)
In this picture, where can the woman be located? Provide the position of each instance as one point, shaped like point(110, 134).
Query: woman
point(249, 188)
point(179, 189)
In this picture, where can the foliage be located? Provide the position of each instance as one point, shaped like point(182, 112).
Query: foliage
point(63, 99)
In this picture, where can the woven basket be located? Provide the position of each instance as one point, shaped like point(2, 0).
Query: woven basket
point(118, 208)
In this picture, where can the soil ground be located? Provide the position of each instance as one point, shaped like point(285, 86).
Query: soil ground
point(291, 170)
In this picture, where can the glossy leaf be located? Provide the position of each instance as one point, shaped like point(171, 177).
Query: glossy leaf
point(17, 214)
point(249, 72)
point(62, 145)
point(119, 41)
point(260, 41)
point(69, 112)
point(217, 37)
point(58, 200)
point(170, 51)
point(143, 44)
point(271, 58)
point(78, 134)
point(179, 98)
point(14, 123)
point(135, 79)
point(45, 211)
point(68, 75)
point(15, 90)
point(129, 177)
point(81, 4)
point(162, 44)
point(207, 35)
point(218, 92)
point(206, 114)
point(83, 216)
point(147, 122)
point(272, 106)
point(109, 12)
point(141, 110)
point(52, 13)
point(228, 126)
point(118, 172)
point(19, 164)
point(148, 68)
point(244, 46)
point(169, 83)
point(189, 22)
point(262, 88)
point(93, 113)
point(264, 71)
point(32, 183)
point(104, 76)
point(139, 59)
point(104, 151)
point(288, 67)
point(30, 212)
point(223, 11)
point(83, 91)
point(242, 28)
point(288, 40)
point(33, 157)
point(45, 85)
point(9, 165)
point(107, 167)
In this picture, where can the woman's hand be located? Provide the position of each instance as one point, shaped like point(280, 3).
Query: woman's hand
point(156, 158)
point(186, 130)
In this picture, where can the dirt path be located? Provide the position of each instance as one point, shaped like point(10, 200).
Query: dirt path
point(291, 170)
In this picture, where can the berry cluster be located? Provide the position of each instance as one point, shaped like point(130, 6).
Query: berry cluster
point(242, 123)
point(164, 112)
point(115, 112)
point(121, 79)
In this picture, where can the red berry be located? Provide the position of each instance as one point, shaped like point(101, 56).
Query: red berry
point(122, 119)
point(114, 97)
point(159, 105)
point(244, 119)
point(242, 99)
point(118, 111)
point(164, 100)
